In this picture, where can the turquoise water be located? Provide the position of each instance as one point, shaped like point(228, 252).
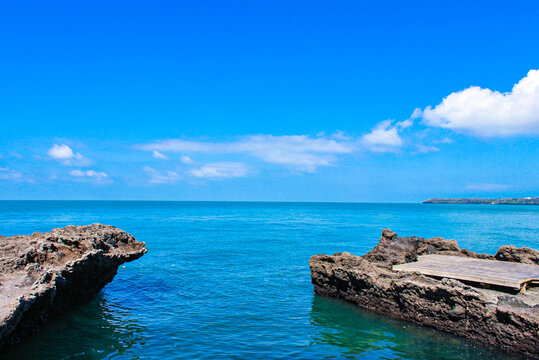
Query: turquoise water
point(231, 280)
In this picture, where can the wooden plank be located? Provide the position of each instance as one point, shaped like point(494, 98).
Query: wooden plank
point(502, 273)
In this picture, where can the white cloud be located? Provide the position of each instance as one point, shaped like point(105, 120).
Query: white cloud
point(384, 137)
point(486, 187)
point(161, 177)
point(186, 160)
point(302, 152)
point(77, 173)
point(445, 140)
point(91, 174)
point(221, 170)
point(404, 124)
point(60, 152)
point(423, 149)
point(66, 155)
point(483, 112)
point(8, 174)
point(156, 154)
point(340, 135)
point(416, 114)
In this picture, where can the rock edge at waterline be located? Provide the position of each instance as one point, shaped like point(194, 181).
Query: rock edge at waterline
point(45, 274)
point(494, 317)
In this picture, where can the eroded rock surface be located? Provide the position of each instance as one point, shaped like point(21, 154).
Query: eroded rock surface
point(522, 255)
point(510, 322)
point(45, 274)
point(393, 250)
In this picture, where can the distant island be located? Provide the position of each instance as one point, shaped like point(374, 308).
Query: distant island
point(511, 201)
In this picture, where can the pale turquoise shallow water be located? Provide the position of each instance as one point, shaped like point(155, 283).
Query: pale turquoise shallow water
point(231, 280)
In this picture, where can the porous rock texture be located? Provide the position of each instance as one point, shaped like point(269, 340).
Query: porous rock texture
point(522, 255)
point(45, 274)
point(507, 321)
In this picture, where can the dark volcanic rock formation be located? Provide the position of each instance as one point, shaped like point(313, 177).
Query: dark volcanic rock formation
point(393, 250)
point(522, 255)
point(510, 322)
point(45, 274)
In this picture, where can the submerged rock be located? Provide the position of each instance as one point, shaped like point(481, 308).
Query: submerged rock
point(45, 274)
point(510, 322)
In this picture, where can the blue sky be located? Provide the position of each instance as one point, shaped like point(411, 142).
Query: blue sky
point(388, 101)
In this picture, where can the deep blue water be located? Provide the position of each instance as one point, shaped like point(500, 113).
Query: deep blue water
point(231, 280)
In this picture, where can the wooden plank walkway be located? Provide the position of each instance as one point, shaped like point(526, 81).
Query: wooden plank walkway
point(493, 272)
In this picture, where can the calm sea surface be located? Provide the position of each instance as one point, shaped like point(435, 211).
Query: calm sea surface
point(231, 280)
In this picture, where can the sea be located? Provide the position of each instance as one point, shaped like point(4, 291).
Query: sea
point(230, 280)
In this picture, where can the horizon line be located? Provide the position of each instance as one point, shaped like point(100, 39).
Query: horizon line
point(221, 201)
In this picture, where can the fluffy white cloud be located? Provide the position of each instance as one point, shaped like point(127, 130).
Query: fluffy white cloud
point(302, 152)
point(66, 155)
point(89, 174)
point(221, 170)
point(8, 174)
point(484, 112)
point(60, 152)
point(385, 137)
point(486, 187)
point(161, 177)
point(156, 154)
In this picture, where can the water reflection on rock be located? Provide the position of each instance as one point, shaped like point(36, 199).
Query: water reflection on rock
point(98, 330)
point(362, 334)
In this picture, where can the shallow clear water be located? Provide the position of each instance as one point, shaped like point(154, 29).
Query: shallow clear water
point(231, 280)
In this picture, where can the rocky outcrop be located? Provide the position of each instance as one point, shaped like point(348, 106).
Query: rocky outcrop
point(393, 250)
point(45, 274)
point(510, 322)
point(522, 255)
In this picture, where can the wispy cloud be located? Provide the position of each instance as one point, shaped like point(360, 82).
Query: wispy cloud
point(416, 114)
point(184, 159)
point(221, 170)
point(156, 154)
point(445, 140)
point(487, 187)
point(89, 174)
point(67, 156)
point(301, 152)
point(8, 174)
point(424, 149)
point(161, 177)
point(484, 112)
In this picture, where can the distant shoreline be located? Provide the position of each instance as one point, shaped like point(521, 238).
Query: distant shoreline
point(510, 201)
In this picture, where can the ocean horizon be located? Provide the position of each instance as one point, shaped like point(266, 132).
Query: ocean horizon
point(231, 279)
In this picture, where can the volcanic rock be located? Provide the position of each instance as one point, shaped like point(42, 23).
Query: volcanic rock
point(45, 274)
point(522, 255)
point(507, 321)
